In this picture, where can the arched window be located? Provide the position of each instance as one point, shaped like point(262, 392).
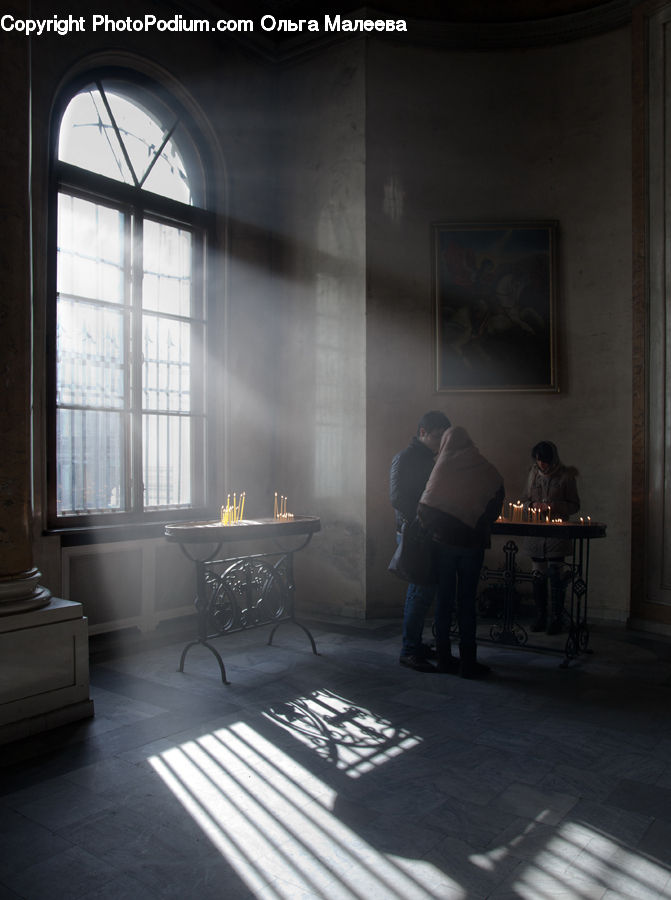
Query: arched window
point(128, 431)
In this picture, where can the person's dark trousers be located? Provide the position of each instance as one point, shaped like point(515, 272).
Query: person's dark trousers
point(551, 570)
point(540, 597)
point(418, 599)
point(557, 591)
point(459, 571)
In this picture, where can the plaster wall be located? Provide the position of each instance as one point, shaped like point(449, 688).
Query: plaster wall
point(321, 428)
point(504, 136)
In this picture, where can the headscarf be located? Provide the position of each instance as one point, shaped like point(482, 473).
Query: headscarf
point(547, 452)
point(462, 482)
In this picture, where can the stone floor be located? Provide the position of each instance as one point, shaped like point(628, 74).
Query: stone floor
point(344, 775)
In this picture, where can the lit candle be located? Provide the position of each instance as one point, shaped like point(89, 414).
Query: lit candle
point(242, 503)
point(275, 507)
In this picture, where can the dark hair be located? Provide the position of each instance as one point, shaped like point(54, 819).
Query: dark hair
point(432, 420)
point(545, 451)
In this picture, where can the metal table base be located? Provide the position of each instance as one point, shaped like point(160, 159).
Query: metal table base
point(507, 630)
point(239, 592)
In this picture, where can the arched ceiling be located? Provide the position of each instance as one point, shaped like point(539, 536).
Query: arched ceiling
point(460, 24)
point(489, 10)
point(475, 11)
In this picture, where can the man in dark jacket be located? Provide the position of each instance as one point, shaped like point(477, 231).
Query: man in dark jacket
point(410, 470)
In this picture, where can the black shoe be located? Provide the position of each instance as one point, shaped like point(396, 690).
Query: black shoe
point(429, 651)
point(474, 670)
point(449, 666)
point(554, 627)
point(417, 663)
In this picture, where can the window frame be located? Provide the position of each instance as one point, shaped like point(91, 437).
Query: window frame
point(142, 205)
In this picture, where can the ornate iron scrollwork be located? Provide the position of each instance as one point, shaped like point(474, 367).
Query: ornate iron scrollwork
point(246, 592)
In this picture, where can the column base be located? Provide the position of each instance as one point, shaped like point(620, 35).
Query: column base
point(44, 677)
point(21, 593)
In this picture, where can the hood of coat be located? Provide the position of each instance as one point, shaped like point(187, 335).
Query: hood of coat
point(462, 482)
point(453, 440)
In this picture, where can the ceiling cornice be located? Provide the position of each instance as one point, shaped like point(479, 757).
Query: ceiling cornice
point(529, 33)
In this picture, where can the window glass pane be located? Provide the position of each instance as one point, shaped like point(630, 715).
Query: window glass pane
point(87, 138)
point(129, 307)
point(167, 255)
point(143, 136)
point(90, 250)
point(90, 470)
point(166, 460)
point(168, 175)
point(166, 367)
point(90, 354)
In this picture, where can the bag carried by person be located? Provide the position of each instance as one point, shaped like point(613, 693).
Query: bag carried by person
point(415, 557)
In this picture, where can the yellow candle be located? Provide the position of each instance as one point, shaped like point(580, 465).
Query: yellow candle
point(242, 504)
point(275, 507)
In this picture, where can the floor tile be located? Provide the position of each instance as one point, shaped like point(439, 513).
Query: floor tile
point(344, 775)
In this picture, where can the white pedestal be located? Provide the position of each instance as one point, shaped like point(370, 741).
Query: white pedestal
point(44, 670)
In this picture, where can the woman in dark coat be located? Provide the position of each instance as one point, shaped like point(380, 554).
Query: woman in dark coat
point(462, 498)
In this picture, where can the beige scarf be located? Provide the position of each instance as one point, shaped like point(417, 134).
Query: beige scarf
point(462, 482)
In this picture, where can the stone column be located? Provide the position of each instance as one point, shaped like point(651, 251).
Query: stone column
point(19, 588)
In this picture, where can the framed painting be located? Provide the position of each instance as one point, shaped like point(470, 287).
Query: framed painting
point(495, 306)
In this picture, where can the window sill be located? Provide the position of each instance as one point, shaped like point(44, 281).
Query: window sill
point(77, 536)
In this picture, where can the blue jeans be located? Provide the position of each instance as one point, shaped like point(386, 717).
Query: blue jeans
point(418, 599)
point(458, 575)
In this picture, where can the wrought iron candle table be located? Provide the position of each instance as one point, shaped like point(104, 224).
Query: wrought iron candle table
point(506, 629)
point(244, 591)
